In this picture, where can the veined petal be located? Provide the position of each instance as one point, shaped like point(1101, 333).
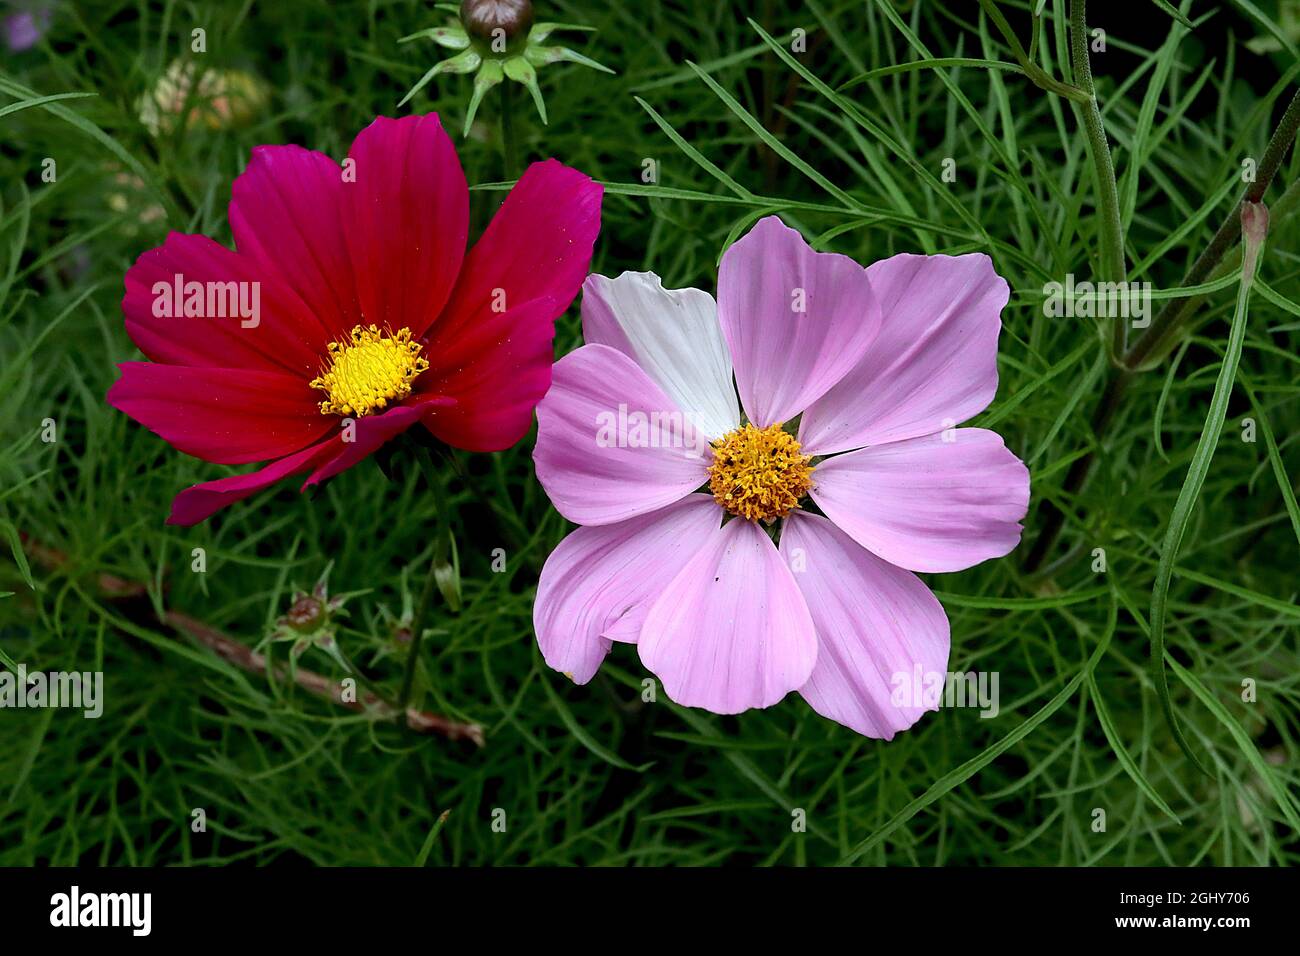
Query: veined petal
point(795, 320)
point(928, 504)
point(732, 630)
point(246, 316)
point(610, 444)
point(879, 628)
point(228, 416)
point(490, 349)
point(673, 335)
point(372, 432)
point(934, 364)
point(327, 458)
point(597, 585)
point(202, 501)
point(286, 212)
point(407, 219)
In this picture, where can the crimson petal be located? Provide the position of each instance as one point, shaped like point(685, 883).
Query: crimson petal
point(407, 218)
point(228, 416)
point(490, 349)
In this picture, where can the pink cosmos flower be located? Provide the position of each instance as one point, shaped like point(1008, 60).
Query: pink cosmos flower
point(877, 366)
point(350, 310)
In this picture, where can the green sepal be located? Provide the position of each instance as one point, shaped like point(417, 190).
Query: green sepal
point(489, 76)
point(521, 71)
point(453, 38)
point(544, 55)
point(466, 62)
point(541, 31)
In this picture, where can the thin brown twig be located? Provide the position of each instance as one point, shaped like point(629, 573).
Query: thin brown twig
point(245, 658)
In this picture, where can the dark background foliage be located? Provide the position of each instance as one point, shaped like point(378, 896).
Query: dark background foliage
point(594, 775)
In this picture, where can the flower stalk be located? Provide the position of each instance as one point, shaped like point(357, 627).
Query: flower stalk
point(442, 574)
point(1113, 268)
point(509, 141)
point(1035, 73)
point(1154, 343)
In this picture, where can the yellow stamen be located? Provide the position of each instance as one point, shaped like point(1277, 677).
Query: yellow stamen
point(759, 473)
point(369, 370)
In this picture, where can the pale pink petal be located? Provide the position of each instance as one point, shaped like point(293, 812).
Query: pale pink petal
point(881, 634)
point(927, 504)
point(610, 444)
point(731, 631)
point(597, 584)
point(796, 320)
point(671, 333)
point(934, 364)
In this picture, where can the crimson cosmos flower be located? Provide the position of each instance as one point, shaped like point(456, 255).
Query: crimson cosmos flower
point(372, 316)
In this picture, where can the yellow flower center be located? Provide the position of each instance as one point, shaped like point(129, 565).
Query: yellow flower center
point(369, 370)
point(759, 473)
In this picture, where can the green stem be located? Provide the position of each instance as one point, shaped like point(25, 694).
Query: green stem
point(1113, 268)
point(1171, 315)
point(509, 142)
point(1036, 74)
point(438, 559)
point(1170, 320)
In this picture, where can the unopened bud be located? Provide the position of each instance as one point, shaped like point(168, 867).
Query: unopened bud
point(306, 615)
point(1254, 221)
point(1254, 227)
point(482, 18)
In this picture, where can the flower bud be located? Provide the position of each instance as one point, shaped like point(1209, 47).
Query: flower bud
point(1254, 222)
point(306, 615)
point(482, 18)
